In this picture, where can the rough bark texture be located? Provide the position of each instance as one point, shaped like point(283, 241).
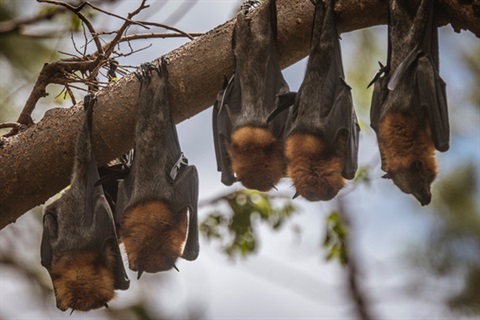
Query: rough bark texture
point(36, 163)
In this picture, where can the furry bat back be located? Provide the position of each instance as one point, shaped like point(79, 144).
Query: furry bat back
point(157, 202)
point(247, 147)
point(409, 107)
point(321, 143)
point(79, 244)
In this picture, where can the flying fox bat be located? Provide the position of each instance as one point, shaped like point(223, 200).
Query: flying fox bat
point(79, 244)
point(409, 107)
point(248, 148)
point(321, 134)
point(156, 203)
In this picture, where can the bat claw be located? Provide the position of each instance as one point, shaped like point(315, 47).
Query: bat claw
point(106, 305)
point(175, 267)
point(140, 272)
point(295, 195)
point(71, 312)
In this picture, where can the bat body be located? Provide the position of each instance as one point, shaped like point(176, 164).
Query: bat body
point(79, 244)
point(248, 148)
point(156, 203)
point(321, 134)
point(409, 107)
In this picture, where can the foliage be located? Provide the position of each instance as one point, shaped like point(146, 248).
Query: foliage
point(235, 227)
point(336, 238)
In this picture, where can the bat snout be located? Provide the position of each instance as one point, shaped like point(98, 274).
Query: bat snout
point(424, 197)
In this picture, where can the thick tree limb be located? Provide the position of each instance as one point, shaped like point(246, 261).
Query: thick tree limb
point(36, 163)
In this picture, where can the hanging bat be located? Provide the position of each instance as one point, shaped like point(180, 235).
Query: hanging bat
point(409, 107)
point(321, 134)
point(156, 204)
point(79, 244)
point(248, 148)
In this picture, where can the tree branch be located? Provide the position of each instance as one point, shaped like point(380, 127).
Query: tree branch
point(37, 163)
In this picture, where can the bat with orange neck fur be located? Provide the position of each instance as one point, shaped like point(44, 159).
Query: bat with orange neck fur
point(79, 243)
point(321, 134)
point(248, 148)
point(409, 107)
point(156, 204)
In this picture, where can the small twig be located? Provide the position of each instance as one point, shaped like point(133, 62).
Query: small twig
point(15, 129)
point(81, 16)
point(158, 35)
point(116, 16)
point(132, 51)
point(10, 26)
point(14, 125)
point(110, 47)
point(167, 27)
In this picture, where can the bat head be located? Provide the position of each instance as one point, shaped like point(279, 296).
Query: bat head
point(256, 157)
point(154, 236)
point(415, 180)
point(83, 280)
point(315, 170)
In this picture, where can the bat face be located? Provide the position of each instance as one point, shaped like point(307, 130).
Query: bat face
point(248, 147)
point(415, 180)
point(321, 142)
point(79, 243)
point(408, 154)
point(157, 201)
point(84, 280)
point(409, 108)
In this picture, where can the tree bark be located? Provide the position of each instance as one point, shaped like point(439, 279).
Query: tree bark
point(36, 163)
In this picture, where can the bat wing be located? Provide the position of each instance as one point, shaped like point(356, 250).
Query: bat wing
point(97, 210)
point(107, 235)
point(285, 101)
point(186, 198)
point(337, 96)
point(380, 92)
point(124, 191)
point(432, 96)
point(227, 106)
point(342, 120)
point(50, 232)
